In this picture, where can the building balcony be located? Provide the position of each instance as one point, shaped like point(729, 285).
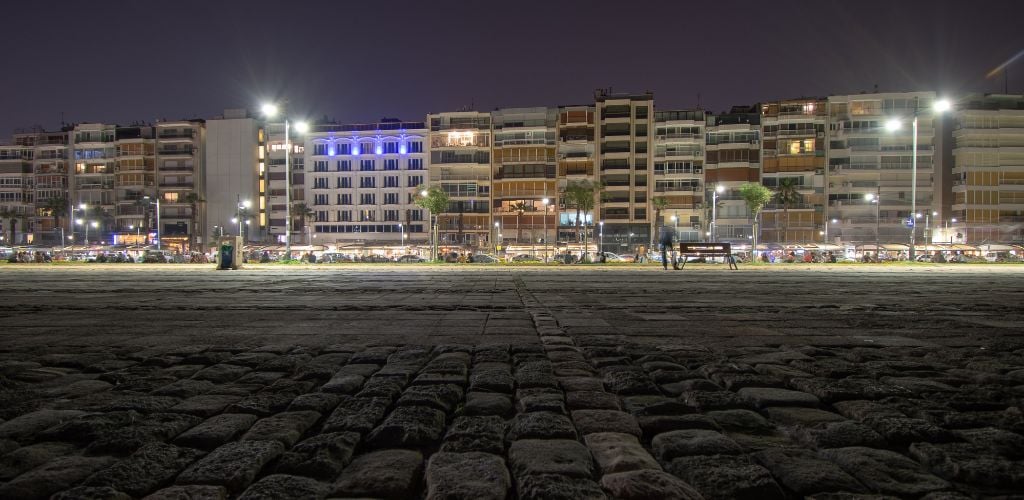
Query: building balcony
point(175, 152)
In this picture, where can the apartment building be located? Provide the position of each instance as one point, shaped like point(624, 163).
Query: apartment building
point(460, 164)
point(135, 188)
point(576, 157)
point(361, 184)
point(93, 148)
point(732, 158)
point(679, 171)
point(180, 170)
point(49, 178)
point(793, 151)
point(987, 172)
point(17, 206)
point(282, 188)
point(624, 125)
point(869, 166)
point(523, 176)
point(235, 170)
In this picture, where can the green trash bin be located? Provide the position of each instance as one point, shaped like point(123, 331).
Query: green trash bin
point(229, 252)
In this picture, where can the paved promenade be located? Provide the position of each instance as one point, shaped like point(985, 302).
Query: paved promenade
point(177, 381)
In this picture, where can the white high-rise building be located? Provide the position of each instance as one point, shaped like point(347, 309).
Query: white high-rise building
point(235, 158)
point(360, 183)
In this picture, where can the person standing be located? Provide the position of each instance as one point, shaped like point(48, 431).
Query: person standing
point(665, 239)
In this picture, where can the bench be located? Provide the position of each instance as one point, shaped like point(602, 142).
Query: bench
point(699, 250)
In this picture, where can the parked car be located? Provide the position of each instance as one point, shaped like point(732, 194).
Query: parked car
point(614, 257)
point(524, 257)
point(483, 258)
point(411, 258)
point(376, 259)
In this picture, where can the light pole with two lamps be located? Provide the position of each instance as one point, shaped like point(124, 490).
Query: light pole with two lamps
point(940, 106)
point(158, 247)
point(601, 241)
point(242, 208)
point(545, 202)
point(270, 110)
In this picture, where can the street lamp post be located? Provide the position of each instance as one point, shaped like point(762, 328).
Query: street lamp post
point(714, 210)
point(158, 247)
point(497, 235)
point(545, 202)
point(270, 110)
point(601, 242)
point(875, 198)
point(402, 241)
point(940, 106)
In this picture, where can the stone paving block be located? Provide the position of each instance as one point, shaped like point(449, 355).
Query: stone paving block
point(839, 435)
point(860, 409)
point(647, 484)
point(234, 465)
point(572, 384)
point(344, 383)
point(726, 477)
point(91, 493)
point(441, 378)
point(714, 400)
point(540, 425)
point(260, 377)
point(470, 475)
point(684, 443)
point(409, 427)
point(550, 456)
point(26, 458)
point(557, 487)
point(286, 428)
point(805, 473)
point(204, 406)
point(540, 399)
point(263, 404)
point(972, 464)
point(185, 388)
point(322, 456)
point(381, 474)
point(444, 397)
point(26, 426)
point(320, 402)
point(656, 424)
point(382, 387)
point(617, 452)
point(56, 475)
point(486, 403)
point(79, 388)
point(802, 417)
point(629, 382)
point(765, 396)
point(903, 431)
point(277, 486)
point(885, 471)
point(148, 469)
point(1003, 443)
point(590, 421)
point(592, 400)
point(492, 381)
point(740, 420)
point(832, 390)
point(222, 372)
point(532, 379)
point(483, 434)
point(216, 431)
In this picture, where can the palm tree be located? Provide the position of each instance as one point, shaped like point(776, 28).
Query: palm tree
point(787, 195)
point(57, 207)
point(435, 200)
point(756, 196)
point(581, 194)
point(520, 208)
point(193, 201)
point(305, 214)
point(660, 203)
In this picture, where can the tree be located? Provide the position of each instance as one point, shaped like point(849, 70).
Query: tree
point(305, 213)
point(12, 216)
point(520, 208)
point(581, 194)
point(756, 196)
point(787, 195)
point(56, 207)
point(660, 203)
point(435, 200)
point(193, 201)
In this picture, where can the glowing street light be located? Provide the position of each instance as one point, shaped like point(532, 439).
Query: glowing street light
point(714, 209)
point(545, 202)
point(270, 110)
point(938, 107)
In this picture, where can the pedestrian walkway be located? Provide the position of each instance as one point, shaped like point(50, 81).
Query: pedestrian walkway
point(444, 382)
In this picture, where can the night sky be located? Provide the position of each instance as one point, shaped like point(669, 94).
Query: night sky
point(143, 61)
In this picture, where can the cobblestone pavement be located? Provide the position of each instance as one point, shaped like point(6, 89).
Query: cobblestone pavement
point(170, 382)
